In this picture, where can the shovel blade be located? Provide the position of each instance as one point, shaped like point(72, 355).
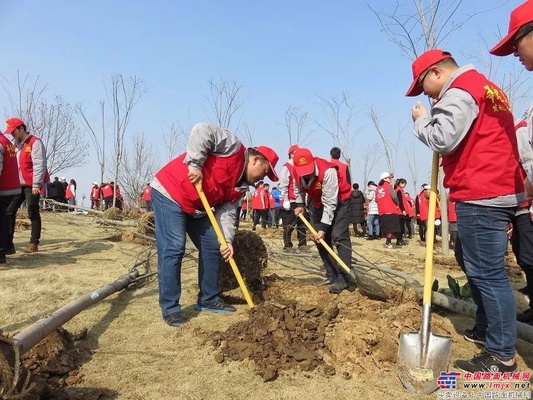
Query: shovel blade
point(420, 372)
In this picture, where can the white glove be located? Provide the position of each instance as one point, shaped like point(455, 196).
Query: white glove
point(437, 222)
point(287, 205)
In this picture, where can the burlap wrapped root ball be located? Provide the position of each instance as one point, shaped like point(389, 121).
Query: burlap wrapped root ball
point(146, 224)
point(113, 214)
point(251, 257)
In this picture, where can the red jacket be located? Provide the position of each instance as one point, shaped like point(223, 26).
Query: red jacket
point(486, 163)
point(345, 188)
point(68, 193)
point(386, 204)
point(9, 177)
point(314, 193)
point(95, 193)
point(258, 198)
point(220, 176)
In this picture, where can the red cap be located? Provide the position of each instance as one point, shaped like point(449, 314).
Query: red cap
point(12, 124)
point(293, 148)
point(272, 158)
point(423, 62)
point(304, 163)
point(520, 16)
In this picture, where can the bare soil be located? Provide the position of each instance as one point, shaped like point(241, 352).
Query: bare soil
point(300, 342)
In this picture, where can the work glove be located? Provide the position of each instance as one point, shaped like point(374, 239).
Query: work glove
point(287, 205)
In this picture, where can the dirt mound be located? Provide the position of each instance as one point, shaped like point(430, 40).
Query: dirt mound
point(53, 367)
point(251, 258)
point(303, 327)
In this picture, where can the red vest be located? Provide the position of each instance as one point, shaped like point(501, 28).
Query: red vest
point(107, 191)
point(486, 163)
point(407, 203)
point(9, 177)
point(95, 193)
point(314, 193)
point(147, 193)
point(26, 162)
point(271, 200)
point(220, 175)
point(345, 189)
point(257, 199)
point(68, 192)
point(244, 205)
point(423, 207)
point(386, 204)
point(290, 188)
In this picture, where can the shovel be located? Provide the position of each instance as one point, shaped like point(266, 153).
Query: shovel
point(223, 243)
point(350, 272)
point(422, 356)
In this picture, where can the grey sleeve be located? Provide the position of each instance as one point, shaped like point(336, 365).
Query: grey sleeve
point(524, 148)
point(451, 119)
point(225, 214)
point(283, 184)
point(38, 157)
point(330, 194)
point(206, 138)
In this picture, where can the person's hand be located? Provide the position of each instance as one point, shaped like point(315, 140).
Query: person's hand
point(226, 252)
point(404, 213)
point(35, 190)
point(418, 111)
point(287, 205)
point(299, 210)
point(319, 235)
point(195, 174)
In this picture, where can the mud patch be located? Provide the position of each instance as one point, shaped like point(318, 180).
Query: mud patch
point(52, 367)
point(303, 327)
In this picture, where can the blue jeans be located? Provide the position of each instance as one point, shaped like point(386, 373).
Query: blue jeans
point(480, 251)
point(372, 223)
point(171, 226)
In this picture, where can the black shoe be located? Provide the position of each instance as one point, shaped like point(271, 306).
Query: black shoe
point(484, 362)
point(370, 238)
point(176, 320)
point(526, 316)
point(218, 306)
point(340, 285)
point(474, 336)
point(10, 251)
point(289, 250)
point(401, 243)
point(324, 282)
point(304, 247)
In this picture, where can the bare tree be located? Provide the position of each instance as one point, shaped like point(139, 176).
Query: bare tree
point(138, 167)
point(247, 134)
point(412, 163)
point(53, 121)
point(366, 160)
point(390, 149)
point(175, 140)
point(99, 141)
point(298, 126)
point(225, 100)
point(340, 115)
point(123, 94)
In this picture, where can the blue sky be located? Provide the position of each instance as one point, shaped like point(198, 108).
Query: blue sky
point(282, 52)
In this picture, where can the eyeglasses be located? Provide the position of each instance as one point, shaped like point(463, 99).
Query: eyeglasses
point(517, 41)
point(421, 81)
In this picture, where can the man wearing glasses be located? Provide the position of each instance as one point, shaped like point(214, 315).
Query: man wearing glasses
point(471, 125)
point(519, 43)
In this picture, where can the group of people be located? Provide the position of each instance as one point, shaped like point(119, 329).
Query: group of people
point(61, 191)
point(106, 195)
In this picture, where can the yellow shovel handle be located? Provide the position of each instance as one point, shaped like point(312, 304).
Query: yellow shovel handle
point(430, 233)
point(326, 246)
point(223, 243)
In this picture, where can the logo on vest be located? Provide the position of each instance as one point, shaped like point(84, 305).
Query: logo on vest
point(498, 98)
point(27, 149)
point(318, 185)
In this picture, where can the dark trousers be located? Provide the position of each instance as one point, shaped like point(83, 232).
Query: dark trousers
point(32, 202)
point(291, 221)
point(405, 225)
point(260, 215)
point(5, 201)
point(522, 243)
point(339, 235)
point(422, 227)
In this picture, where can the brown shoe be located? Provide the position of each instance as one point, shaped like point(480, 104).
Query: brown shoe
point(31, 248)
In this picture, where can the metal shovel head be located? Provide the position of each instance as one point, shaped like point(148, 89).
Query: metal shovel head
point(419, 373)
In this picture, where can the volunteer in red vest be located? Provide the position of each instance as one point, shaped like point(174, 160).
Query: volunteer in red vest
point(422, 210)
point(107, 194)
point(389, 212)
point(288, 204)
point(399, 187)
point(329, 200)
point(70, 194)
point(9, 187)
point(260, 207)
point(215, 157)
point(31, 157)
point(95, 196)
point(271, 204)
point(119, 199)
point(410, 207)
point(471, 125)
point(147, 196)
